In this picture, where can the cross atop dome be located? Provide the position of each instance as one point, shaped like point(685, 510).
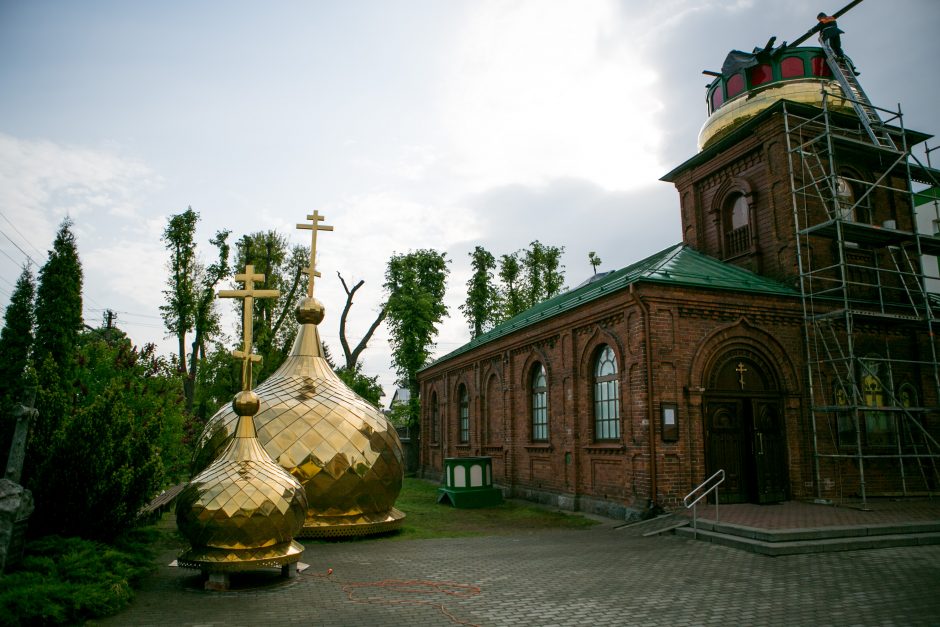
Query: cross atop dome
point(248, 294)
point(315, 226)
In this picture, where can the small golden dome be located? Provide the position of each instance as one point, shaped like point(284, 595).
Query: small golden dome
point(244, 509)
point(310, 311)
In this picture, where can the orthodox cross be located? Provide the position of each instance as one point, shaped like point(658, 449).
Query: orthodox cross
point(315, 226)
point(741, 370)
point(248, 295)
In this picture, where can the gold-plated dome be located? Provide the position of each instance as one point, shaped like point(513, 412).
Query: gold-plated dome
point(342, 450)
point(243, 511)
point(744, 107)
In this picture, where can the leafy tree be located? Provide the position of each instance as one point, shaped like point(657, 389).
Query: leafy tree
point(16, 341)
point(529, 277)
point(282, 266)
point(415, 286)
point(594, 260)
point(510, 273)
point(191, 294)
point(365, 386)
point(352, 356)
point(544, 274)
point(481, 309)
point(179, 311)
point(219, 379)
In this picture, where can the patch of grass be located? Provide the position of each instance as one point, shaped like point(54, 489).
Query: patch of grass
point(65, 581)
point(425, 518)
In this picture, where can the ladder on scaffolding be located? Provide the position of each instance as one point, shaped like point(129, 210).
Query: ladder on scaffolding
point(842, 71)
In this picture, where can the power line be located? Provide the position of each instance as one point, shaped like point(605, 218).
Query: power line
point(126, 313)
point(9, 257)
point(25, 239)
point(18, 248)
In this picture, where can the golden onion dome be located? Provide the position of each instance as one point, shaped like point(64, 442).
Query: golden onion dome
point(244, 510)
point(795, 74)
point(343, 451)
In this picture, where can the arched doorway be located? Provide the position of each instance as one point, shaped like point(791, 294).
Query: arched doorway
point(744, 430)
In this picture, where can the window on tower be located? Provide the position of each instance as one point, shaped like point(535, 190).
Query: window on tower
point(738, 229)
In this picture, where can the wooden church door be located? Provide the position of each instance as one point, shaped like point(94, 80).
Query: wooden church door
point(770, 456)
point(745, 438)
point(725, 448)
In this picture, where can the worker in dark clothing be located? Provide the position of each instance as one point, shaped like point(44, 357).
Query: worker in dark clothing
point(832, 35)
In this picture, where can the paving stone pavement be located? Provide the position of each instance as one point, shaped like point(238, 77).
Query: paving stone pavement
point(598, 576)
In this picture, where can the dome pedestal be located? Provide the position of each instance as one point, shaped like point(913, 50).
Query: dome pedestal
point(352, 526)
point(217, 565)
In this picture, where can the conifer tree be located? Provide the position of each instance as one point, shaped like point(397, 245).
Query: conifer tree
point(16, 338)
point(59, 303)
point(16, 341)
point(58, 324)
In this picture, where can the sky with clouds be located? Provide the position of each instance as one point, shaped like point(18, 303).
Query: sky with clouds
point(408, 123)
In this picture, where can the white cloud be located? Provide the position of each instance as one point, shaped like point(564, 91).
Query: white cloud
point(41, 182)
point(545, 90)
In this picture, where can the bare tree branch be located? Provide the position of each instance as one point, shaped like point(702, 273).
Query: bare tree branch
point(352, 356)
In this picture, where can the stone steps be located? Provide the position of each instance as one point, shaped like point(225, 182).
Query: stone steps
point(776, 542)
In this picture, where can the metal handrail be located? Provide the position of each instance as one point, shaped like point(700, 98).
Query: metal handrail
point(694, 504)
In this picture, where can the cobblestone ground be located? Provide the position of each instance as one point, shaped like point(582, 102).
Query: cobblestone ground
point(599, 576)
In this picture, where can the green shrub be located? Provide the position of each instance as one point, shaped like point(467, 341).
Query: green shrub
point(64, 581)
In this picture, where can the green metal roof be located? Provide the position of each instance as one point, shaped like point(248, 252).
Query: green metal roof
point(677, 265)
point(928, 195)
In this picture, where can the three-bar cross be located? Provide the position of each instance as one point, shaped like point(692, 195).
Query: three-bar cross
point(311, 270)
point(248, 294)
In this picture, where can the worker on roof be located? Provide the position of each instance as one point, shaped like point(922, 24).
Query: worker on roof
point(832, 35)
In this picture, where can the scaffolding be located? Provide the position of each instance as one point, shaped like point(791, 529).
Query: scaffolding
point(870, 317)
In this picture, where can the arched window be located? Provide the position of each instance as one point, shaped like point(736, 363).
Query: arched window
point(791, 67)
point(880, 427)
point(717, 98)
point(735, 85)
point(463, 399)
point(435, 419)
point(606, 396)
point(760, 74)
point(539, 404)
point(851, 205)
point(738, 225)
point(910, 431)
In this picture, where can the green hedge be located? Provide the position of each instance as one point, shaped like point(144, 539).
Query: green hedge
point(66, 581)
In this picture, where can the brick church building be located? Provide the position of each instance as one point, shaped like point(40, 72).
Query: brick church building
point(788, 340)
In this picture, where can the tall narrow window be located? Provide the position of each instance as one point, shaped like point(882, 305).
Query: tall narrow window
point(464, 400)
point(738, 234)
point(435, 419)
point(880, 428)
point(851, 205)
point(539, 404)
point(606, 396)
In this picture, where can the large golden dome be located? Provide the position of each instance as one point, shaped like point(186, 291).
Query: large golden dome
point(341, 449)
point(743, 90)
